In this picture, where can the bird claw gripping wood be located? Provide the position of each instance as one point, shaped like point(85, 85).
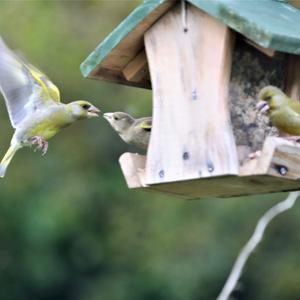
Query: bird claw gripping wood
point(42, 145)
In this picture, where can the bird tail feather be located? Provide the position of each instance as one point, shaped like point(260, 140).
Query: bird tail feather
point(7, 159)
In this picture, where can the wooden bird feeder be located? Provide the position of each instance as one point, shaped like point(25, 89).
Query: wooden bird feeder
point(205, 62)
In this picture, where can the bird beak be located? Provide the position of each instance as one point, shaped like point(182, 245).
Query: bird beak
point(262, 106)
point(108, 116)
point(93, 112)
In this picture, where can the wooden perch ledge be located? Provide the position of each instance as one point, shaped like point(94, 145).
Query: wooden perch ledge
point(276, 170)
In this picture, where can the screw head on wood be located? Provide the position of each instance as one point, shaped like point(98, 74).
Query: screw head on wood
point(185, 155)
point(210, 167)
point(282, 170)
point(194, 94)
point(161, 174)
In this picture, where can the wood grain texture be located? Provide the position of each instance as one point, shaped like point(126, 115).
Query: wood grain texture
point(276, 170)
point(277, 152)
point(227, 186)
point(295, 3)
point(217, 187)
point(191, 134)
point(133, 166)
point(292, 85)
point(137, 69)
point(110, 57)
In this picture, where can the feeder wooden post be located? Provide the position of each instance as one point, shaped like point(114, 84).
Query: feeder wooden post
point(191, 135)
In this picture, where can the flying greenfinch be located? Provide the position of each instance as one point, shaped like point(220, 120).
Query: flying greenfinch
point(33, 104)
point(132, 131)
point(284, 112)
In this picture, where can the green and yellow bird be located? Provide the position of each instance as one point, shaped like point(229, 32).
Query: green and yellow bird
point(132, 131)
point(33, 104)
point(284, 112)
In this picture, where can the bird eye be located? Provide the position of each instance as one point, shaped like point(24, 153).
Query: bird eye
point(86, 106)
point(116, 118)
point(268, 98)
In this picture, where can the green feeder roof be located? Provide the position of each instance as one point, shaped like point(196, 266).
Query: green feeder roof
point(269, 23)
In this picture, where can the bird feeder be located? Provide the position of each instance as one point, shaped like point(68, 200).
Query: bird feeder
point(205, 62)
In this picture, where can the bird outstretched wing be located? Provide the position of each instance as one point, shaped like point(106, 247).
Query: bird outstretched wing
point(146, 124)
point(24, 87)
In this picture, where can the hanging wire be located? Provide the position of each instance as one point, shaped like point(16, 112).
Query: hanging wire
point(252, 243)
point(184, 16)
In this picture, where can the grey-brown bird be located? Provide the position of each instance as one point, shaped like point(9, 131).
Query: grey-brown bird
point(132, 131)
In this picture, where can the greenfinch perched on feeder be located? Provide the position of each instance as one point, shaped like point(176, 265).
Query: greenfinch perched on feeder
point(132, 131)
point(284, 112)
point(33, 104)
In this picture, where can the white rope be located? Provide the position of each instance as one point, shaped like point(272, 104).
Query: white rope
point(184, 16)
point(254, 241)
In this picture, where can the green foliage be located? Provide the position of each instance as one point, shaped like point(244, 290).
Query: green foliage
point(70, 228)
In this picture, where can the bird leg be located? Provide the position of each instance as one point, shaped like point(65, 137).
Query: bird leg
point(41, 144)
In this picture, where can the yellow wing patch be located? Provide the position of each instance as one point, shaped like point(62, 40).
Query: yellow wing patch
point(48, 87)
point(147, 125)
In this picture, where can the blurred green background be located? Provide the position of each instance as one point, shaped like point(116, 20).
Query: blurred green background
point(70, 228)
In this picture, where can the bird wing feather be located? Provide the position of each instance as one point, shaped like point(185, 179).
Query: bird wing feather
point(48, 86)
point(25, 88)
point(146, 124)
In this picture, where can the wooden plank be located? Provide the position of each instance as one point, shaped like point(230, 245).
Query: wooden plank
point(261, 164)
point(137, 69)
point(228, 186)
point(191, 132)
point(276, 170)
point(292, 86)
point(279, 157)
point(123, 44)
point(286, 162)
point(126, 40)
point(132, 43)
point(267, 51)
point(133, 167)
point(117, 77)
point(295, 3)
